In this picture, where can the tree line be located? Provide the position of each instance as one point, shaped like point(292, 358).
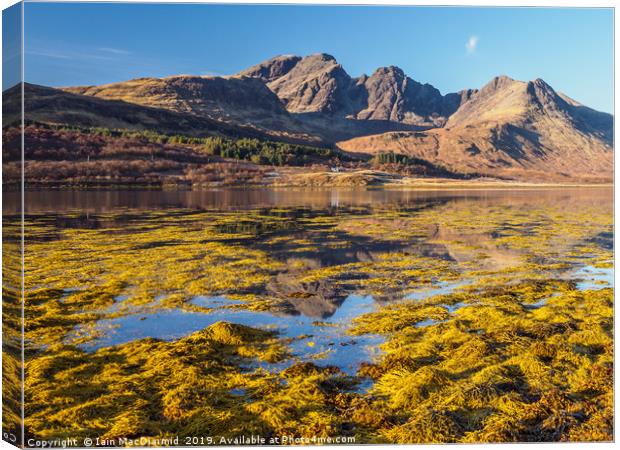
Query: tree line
point(258, 151)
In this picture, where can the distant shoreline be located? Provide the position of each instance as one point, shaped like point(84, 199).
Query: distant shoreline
point(429, 185)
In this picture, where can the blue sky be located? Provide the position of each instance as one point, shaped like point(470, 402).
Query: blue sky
point(11, 46)
point(450, 48)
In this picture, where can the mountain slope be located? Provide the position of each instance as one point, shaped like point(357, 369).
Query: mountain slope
point(191, 94)
point(54, 106)
point(514, 129)
point(271, 69)
point(232, 100)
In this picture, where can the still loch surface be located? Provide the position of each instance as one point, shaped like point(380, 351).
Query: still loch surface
point(129, 265)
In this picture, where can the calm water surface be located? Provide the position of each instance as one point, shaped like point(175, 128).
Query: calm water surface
point(466, 234)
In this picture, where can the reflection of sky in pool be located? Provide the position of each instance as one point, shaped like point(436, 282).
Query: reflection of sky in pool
point(325, 340)
point(591, 277)
point(441, 288)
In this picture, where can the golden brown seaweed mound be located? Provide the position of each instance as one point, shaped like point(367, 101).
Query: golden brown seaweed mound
point(501, 368)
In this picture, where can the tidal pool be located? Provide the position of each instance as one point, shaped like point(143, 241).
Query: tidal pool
point(325, 341)
point(392, 316)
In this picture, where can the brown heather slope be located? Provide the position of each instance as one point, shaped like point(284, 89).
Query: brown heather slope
point(236, 101)
point(512, 129)
point(54, 106)
point(192, 94)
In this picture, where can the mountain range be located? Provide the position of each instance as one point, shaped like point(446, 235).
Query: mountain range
point(511, 129)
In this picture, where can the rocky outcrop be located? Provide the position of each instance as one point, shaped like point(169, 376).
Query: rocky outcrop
point(393, 96)
point(272, 69)
point(316, 84)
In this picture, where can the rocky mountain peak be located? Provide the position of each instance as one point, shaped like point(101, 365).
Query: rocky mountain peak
point(272, 68)
point(496, 84)
point(321, 57)
point(509, 128)
point(316, 63)
point(316, 83)
point(319, 84)
point(389, 71)
point(543, 95)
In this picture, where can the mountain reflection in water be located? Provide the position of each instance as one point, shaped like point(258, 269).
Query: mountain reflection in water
point(305, 263)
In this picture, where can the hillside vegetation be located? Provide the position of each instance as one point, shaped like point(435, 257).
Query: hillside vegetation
point(75, 156)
